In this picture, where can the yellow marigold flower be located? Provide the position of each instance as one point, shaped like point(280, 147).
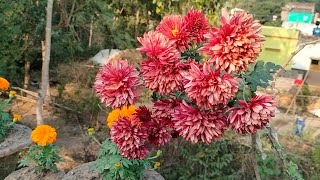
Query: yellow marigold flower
point(157, 165)
point(16, 117)
point(117, 165)
point(125, 111)
point(44, 135)
point(91, 131)
point(12, 93)
point(4, 84)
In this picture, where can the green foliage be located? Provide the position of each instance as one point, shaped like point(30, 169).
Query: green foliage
point(260, 75)
point(316, 156)
point(268, 167)
point(219, 160)
point(44, 157)
point(292, 171)
point(5, 119)
point(303, 101)
point(109, 158)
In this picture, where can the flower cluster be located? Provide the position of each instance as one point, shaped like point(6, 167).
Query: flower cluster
point(194, 98)
point(133, 132)
point(5, 121)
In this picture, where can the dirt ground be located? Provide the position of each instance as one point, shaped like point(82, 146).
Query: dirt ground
point(76, 147)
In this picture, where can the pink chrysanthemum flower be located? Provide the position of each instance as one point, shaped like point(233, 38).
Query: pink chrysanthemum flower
point(198, 125)
point(116, 84)
point(175, 28)
point(207, 88)
point(236, 44)
point(164, 108)
point(163, 78)
point(249, 117)
point(198, 25)
point(159, 47)
point(130, 137)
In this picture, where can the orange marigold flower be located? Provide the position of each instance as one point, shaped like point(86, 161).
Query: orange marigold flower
point(125, 111)
point(16, 117)
point(44, 135)
point(4, 84)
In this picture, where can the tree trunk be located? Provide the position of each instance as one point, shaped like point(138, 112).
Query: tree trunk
point(26, 80)
point(42, 94)
point(91, 32)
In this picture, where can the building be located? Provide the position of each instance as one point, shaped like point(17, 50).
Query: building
point(296, 12)
point(278, 45)
point(301, 16)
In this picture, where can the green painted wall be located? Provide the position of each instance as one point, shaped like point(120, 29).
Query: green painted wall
point(300, 17)
point(278, 45)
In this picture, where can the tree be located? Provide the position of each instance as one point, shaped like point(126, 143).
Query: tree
point(42, 94)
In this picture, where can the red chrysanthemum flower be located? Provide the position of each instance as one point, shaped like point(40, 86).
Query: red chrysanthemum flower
point(207, 88)
point(159, 133)
point(197, 24)
point(163, 110)
point(198, 125)
point(159, 47)
point(175, 28)
point(236, 44)
point(163, 78)
point(143, 114)
point(116, 84)
point(130, 137)
point(249, 117)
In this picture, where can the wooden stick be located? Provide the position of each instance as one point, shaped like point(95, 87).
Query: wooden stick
point(26, 91)
point(308, 96)
point(294, 98)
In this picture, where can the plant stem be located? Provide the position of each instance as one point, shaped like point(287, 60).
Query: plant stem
point(275, 144)
point(254, 152)
point(96, 140)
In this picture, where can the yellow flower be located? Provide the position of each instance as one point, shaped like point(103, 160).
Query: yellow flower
point(12, 94)
point(44, 135)
point(16, 117)
point(125, 111)
point(91, 131)
point(117, 165)
point(4, 84)
point(157, 165)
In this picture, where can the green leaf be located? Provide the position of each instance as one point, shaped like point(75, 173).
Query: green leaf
point(261, 75)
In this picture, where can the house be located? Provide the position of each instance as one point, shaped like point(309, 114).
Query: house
point(308, 59)
point(297, 12)
point(301, 16)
